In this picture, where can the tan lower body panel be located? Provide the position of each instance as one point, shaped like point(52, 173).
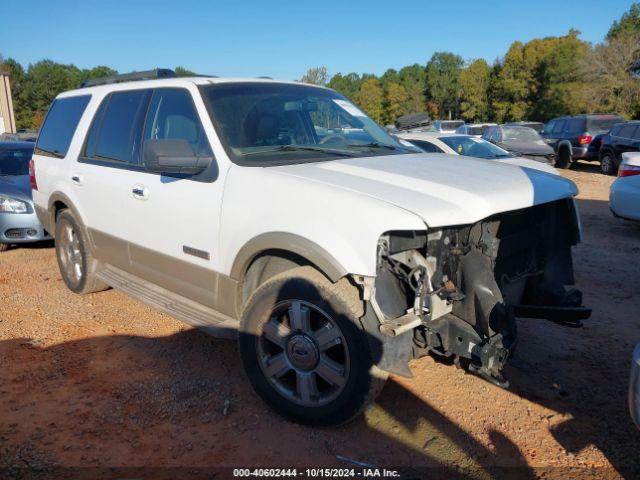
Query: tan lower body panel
point(177, 306)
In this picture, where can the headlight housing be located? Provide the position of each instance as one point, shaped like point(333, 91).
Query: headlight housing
point(12, 205)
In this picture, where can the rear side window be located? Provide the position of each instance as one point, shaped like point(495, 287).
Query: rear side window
point(575, 125)
point(116, 129)
point(559, 126)
point(627, 131)
point(60, 126)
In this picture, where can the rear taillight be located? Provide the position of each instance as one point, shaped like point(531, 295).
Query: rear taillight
point(32, 175)
point(585, 139)
point(628, 170)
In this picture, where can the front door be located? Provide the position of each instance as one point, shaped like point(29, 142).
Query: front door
point(174, 220)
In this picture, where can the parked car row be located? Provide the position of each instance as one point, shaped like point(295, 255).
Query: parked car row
point(562, 141)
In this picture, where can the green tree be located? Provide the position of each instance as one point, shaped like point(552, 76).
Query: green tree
point(474, 87)
point(413, 80)
point(560, 78)
point(316, 76)
point(183, 72)
point(611, 78)
point(370, 97)
point(17, 78)
point(394, 104)
point(629, 23)
point(348, 85)
point(443, 82)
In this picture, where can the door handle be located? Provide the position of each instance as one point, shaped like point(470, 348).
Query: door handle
point(77, 179)
point(140, 192)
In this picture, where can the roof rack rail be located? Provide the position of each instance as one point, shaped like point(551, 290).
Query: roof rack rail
point(130, 77)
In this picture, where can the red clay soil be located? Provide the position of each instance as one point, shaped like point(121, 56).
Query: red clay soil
point(104, 381)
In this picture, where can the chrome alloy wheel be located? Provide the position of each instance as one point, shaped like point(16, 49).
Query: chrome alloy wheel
point(70, 253)
point(303, 353)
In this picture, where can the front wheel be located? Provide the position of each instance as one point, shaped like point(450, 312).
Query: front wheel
point(304, 351)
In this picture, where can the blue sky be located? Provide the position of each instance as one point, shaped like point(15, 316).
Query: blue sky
point(283, 38)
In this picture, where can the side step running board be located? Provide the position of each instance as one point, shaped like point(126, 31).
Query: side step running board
point(177, 306)
point(565, 316)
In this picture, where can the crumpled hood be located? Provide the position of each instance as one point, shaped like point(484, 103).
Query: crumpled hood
point(441, 191)
point(16, 186)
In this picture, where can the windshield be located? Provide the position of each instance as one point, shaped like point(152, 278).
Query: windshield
point(15, 161)
point(521, 134)
point(263, 124)
point(450, 125)
point(476, 130)
point(474, 147)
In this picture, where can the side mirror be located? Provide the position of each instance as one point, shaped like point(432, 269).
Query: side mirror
point(172, 155)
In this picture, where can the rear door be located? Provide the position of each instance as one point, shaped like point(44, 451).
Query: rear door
point(101, 177)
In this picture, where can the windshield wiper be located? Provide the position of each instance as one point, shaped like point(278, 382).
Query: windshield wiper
point(374, 145)
point(295, 148)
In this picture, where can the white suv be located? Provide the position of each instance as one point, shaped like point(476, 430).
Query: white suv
point(280, 211)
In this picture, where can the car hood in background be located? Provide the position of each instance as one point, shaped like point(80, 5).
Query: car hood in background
point(441, 191)
point(16, 186)
point(527, 148)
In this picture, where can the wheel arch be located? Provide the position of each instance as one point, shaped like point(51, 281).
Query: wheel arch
point(59, 201)
point(286, 244)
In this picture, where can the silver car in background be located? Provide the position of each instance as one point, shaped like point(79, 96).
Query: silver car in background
point(18, 221)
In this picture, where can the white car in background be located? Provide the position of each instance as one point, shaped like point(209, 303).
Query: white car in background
point(469, 146)
point(624, 197)
point(475, 129)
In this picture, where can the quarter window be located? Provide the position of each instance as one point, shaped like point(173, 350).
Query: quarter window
point(172, 115)
point(60, 125)
point(115, 131)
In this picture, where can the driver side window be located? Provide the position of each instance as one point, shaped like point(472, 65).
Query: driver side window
point(172, 115)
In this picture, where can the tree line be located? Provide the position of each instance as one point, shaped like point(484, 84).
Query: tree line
point(536, 80)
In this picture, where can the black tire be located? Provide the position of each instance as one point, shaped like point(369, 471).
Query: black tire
point(86, 280)
point(564, 159)
point(608, 164)
point(4, 247)
point(362, 380)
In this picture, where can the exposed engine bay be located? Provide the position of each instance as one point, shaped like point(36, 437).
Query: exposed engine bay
point(455, 292)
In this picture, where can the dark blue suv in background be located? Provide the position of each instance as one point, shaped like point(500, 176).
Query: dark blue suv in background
point(624, 137)
point(578, 137)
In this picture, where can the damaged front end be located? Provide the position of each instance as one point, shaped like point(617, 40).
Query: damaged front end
point(454, 292)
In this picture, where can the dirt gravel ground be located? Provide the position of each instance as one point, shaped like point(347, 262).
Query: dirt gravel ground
point(104, 381)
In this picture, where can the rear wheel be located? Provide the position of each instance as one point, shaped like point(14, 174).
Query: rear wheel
point(304, 351)
point(76, 263)
point(608, 164)
point(564, 158)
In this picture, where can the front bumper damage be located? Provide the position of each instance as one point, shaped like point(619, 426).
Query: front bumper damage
point(456, 292)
